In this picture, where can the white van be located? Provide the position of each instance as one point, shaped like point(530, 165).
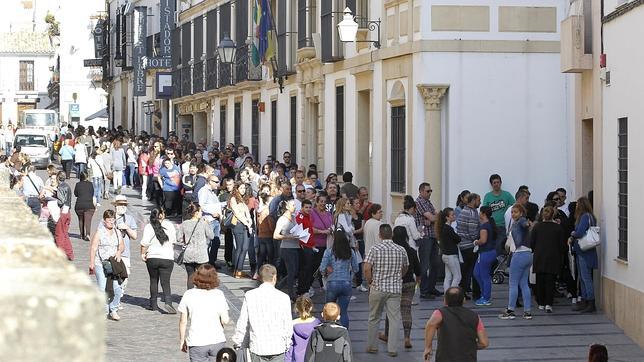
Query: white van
point(36, 144)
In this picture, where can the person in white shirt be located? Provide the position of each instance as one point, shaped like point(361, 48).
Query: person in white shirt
point(266, 315)
point(406, 219)
point(80, 158)
point(207, 310)
point(157, 252)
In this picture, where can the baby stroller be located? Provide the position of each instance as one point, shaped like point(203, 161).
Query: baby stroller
point(500, 272)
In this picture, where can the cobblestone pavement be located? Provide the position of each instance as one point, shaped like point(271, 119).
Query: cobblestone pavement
point(142, 335)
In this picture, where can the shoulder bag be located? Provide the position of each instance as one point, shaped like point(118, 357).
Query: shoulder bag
point(591, 239)
point(180, 248)
point(509, 242)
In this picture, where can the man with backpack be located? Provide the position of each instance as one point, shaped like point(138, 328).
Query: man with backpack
point(330, 340)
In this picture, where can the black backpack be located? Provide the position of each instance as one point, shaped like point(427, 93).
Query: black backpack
point(327, 351)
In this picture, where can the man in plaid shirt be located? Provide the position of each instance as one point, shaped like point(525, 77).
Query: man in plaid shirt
point(427, 245)
point(384, 267)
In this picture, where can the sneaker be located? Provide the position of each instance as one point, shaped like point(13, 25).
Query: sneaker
point(541, 307)
point(508, 314)
point(120, 307)
point(548, 309)
point(362, 288)
point(353, 297)
point(527, 315)
point(115, 316)
point(481, 302)
point(488, 303)
point(170, 309)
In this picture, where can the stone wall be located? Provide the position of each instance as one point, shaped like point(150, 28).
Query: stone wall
point(51, 310)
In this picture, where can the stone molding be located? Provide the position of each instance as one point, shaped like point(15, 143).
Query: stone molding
point(432, 95)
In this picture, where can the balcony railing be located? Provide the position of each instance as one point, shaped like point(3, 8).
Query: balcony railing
point(176, 83)
point(244, 67)
point(211, 73)
point(197, 77)
point(186, 81)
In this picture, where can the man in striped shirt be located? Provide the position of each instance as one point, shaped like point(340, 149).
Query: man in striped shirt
point(266, 315)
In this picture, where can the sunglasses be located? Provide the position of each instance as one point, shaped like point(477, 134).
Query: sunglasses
point(300, 191)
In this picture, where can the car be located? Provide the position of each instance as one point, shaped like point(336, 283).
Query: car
point(36, 144)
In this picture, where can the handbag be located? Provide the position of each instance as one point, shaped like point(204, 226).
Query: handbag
point(228, 220)
point(591, 239)
point(509, 242)
point(180, 248)
point(105, 263)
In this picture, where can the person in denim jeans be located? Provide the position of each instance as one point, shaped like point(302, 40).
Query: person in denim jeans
point(586, 259)
point(520, 264)
point(338, 263)
point(106, 243)
point(487, 255)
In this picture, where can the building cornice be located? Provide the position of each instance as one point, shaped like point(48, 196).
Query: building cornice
point(622, 10)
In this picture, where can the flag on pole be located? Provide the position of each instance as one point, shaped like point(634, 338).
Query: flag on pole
point(271, 42)
point(257, 15)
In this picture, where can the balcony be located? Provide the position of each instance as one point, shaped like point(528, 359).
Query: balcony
point(573, 56)
point(186, 80)
point(197, 77)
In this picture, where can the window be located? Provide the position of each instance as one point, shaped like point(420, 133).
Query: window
point(254, 142)
point(398, 149)
point(222, 127)
point(331, 15)
point(286, 25)
point(293, 149)
point(622, 204)
point(306, 23)
point(274, 129)
point(339, 130)
point(237, 116)
point(26, 75)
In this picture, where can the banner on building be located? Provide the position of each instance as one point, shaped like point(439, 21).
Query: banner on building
point(139, 49)
point(164, 85)
point(167, 24)
point(99, 39)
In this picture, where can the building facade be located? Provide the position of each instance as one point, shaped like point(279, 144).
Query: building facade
point(606, 103)
point(26, 55)
point(134, 112)
point(455, 92)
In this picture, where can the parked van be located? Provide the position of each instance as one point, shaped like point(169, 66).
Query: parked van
point(36, 144)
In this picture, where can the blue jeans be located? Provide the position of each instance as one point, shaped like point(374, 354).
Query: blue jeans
point(429, 264)
point(265, 254)
point(291, 259)
point(98, 188)
point(242, 241)
point(133, 174)
point(482, 270)
point(101, 281)
point(8, 148)
point(519, 275)
point(339, 291)
point(586, 274)
point(80, 168)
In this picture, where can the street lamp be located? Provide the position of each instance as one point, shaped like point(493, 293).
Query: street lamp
point(148, 107)
point(348, 28)
point(226, 50)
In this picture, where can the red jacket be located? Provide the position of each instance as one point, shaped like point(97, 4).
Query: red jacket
point(307, 223)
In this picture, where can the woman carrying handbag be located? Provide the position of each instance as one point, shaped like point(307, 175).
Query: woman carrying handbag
point(586, 259)
point(195, 234)
point(157, 251)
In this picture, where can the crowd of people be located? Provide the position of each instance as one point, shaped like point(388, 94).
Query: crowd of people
point(285, 227)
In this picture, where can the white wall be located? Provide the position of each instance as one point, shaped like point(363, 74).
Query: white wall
point(506, 114)
point(10, 83)
point(623, 98)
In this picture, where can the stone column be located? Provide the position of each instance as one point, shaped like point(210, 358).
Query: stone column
point(433, 166)
point(51, 310)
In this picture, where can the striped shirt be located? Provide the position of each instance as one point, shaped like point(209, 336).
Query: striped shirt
point(467, 227)
point(387, 260)
point(266, 314)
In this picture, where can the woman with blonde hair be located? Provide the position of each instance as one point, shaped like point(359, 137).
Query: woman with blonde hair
point(343, 220)
point(303, 327)
point(586, 259)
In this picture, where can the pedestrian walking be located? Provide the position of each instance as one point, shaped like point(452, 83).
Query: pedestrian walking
point(170, 181)
point(85, 205)
point(105, 245)
point(266, 312)
point(64, 195)
point(460, 331)
point(205, 309)
point(289, 245)
point(384, 267)
point(97, 174)
point(303, 327)
point(67, 157)
point(119, 163)
point(195, 234)
point(127, 227)
point(329, 341)
point(338, 265)
point(157, 252)
point(211, 211)
point(410, 280)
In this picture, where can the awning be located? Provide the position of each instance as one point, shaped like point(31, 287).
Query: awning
point(100, 114)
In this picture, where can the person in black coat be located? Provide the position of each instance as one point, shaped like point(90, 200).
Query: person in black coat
point(85, 206)
point(548, 246)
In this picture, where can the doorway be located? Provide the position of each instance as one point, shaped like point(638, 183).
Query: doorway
point(587, 157)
